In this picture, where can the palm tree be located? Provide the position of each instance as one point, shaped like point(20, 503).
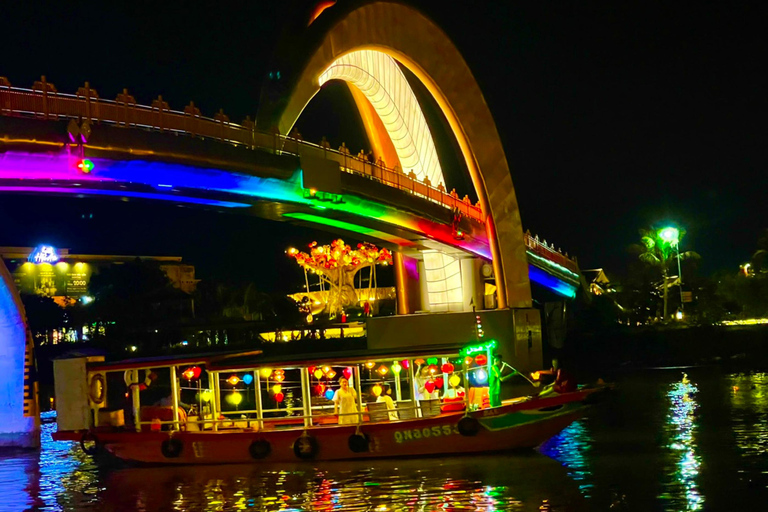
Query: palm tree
point(659, 246)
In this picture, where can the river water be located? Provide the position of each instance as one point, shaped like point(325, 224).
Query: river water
point(661, 443)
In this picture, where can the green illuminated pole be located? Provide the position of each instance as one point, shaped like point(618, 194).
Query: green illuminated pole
point(670, 238)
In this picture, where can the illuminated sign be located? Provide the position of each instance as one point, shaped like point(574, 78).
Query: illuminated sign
point(473, 349)
point(44, 254)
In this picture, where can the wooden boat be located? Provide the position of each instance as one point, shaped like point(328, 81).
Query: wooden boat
point(250, 407)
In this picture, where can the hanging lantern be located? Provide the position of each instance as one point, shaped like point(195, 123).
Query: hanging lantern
point(312, 369)
point(318, 374)
point(481, 359)
point(433, 369)
point(347, 372)
point(396, 368)
point(454, 381)
point(429, 386)
point(370, 365)
point(329, 394)
point(318, 390)
point(447, 368)
point(206, 395)
point(480, 377)
point(432, 360)
point(406, 363)
point(439, 382)
point(326, 369)
point(193, 372)
point(279, 377)
point(234, 398)
point(418, 362)
point(383, 370)
point(277, 388)
point(233, 380)
point(265, 373)
point(279, 397)
point(331, 374)
point(468, 360)
point(247, 378)
point(376, 390)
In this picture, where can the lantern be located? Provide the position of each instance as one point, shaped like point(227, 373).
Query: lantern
point(433, 369)
point(535, 375)
point(331, 374)
point(318, 390)
point(318, 374)
point(312, 369)
point(247, 378)
point(454, 381)
point(233, 380)
point(329, 394)
point(279, 397)
point(347, 372)
point(326, 369)
point(192, 372)
point(396, 368)
point(376, 390)
point(206, 395)
point(480, 377)
point(406, 364)
point(234, 398)
point(481, 359)
point(383, 370)
point(439, 382)
point(429, 386)
point(277, 388)
point(418, 362)
point(279, 377)
point(370, 365)
point(447, 368)
point(468, 361)
point(432, 360)
point(265, 373)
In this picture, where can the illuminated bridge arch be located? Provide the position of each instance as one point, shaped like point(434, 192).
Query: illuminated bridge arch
point(408, 37)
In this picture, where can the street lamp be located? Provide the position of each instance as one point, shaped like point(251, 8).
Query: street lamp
point(670, 236)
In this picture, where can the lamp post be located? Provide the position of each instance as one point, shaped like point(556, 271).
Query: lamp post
point(670, 238)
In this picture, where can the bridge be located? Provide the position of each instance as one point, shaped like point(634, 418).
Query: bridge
point(447, 249)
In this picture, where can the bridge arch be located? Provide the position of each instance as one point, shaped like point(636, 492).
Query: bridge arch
point(414, 41)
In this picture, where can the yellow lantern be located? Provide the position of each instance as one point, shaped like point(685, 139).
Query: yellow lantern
point(455, 380)
point(376, 390)
point(396, 368)
point(234, 398)
point(265, 373)
point(331, 374)
point(206, 395)
point(277, 388)
point(468, 361)
point(326, 369)
point(370, 365)
point(279, 377)
point(383, 370)
point(318, 373)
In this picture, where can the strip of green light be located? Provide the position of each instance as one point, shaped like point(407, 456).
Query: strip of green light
point(348, 226)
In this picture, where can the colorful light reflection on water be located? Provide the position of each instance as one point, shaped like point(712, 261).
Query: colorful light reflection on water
point(570, 448)
point(682, 493)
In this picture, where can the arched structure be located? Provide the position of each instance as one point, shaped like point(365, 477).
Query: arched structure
point(408, 37)
point(18, 405)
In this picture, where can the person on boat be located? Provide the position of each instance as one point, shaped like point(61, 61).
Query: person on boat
point(421, 385)
point(563, 383)
point(345, 403)
point(495, 379)
point(386, 397)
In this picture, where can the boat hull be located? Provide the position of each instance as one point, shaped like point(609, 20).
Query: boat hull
point(518, 425)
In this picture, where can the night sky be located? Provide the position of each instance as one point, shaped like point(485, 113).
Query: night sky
point(614, 116)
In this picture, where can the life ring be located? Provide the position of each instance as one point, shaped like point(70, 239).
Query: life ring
point(305, 447)
point(131, 378)
point(97, 388)
point(468, 426)
point(89, 436)
point(171, 448)
point(260, 448)
point(358, 443)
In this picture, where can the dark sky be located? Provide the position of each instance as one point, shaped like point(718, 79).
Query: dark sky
point(614, 115)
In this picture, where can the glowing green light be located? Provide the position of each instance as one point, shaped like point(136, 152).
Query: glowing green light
point(670, 235)
point(474, 349)
point(85, 165)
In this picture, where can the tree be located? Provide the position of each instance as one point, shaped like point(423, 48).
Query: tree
point(660, 247)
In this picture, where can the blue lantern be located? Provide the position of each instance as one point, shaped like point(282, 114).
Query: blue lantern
point(247, 378)
point(478, 378)
point(329, 394)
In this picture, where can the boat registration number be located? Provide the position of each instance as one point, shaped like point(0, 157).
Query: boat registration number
point(417, 434)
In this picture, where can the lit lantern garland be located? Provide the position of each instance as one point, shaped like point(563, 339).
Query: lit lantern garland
point(311, 370)
point(370, 365)
point(439, 382)
point(447, 368)
point(433, 369)
point(318, 390)
point(329, 394)
point(406, 364)
point(481, 359)
point(279, 397)
point(265, 373)
point(396, 368)
point(279, 377)
point(454, 381)
point(233, 380)
point(347, 372)
point(432, 360)
point(418, 362)
point(234, 398)
point(468, 360)
point(206, 395)
point(318, 374)
point(326, 369)
point(429, 386)
point(383, 370)
point(331, 374)
point(376, 390)
point(277, 388)
point(191, 373)
point(247, 379)
point(480, 332)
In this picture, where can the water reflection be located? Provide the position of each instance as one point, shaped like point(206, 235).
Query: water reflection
point(749, 423)
point(570, 449)
point(683, 463)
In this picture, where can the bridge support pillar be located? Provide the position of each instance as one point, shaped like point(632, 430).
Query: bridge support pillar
point(407, 284)
point(19, 420)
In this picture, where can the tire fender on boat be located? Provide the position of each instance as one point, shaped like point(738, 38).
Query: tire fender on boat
point(260, 449)
point(306, 447)
point(89, 436)
point(468, 426)
point(96, 389)
point(131, 378)
point(172, 448)
point(358, 442)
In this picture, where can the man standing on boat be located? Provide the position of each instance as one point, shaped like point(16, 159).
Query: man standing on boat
point(345, 403)
point(495, 379)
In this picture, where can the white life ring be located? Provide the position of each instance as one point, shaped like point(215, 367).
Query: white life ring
point(131, 378)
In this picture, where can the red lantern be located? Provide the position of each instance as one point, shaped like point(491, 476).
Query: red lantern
point(429, 386)
point(447, 368)
point(439, 382)
point(312, 369)
point(347, 372)
point(433, 369)
point(405, 363)
point(279, 397)
point(318, 390)
point(481, 359)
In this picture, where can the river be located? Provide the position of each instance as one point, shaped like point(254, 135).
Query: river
point(660, 443)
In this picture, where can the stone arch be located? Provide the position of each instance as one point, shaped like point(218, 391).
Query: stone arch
point(417, 43)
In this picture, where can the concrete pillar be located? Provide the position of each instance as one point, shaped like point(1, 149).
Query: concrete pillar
point(407, 283)
point(472, 284)
point(19, 417)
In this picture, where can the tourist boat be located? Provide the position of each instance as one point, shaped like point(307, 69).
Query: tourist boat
point(250, 406)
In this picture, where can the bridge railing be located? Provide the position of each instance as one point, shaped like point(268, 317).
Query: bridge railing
point(44, 101)
point(549, 252)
